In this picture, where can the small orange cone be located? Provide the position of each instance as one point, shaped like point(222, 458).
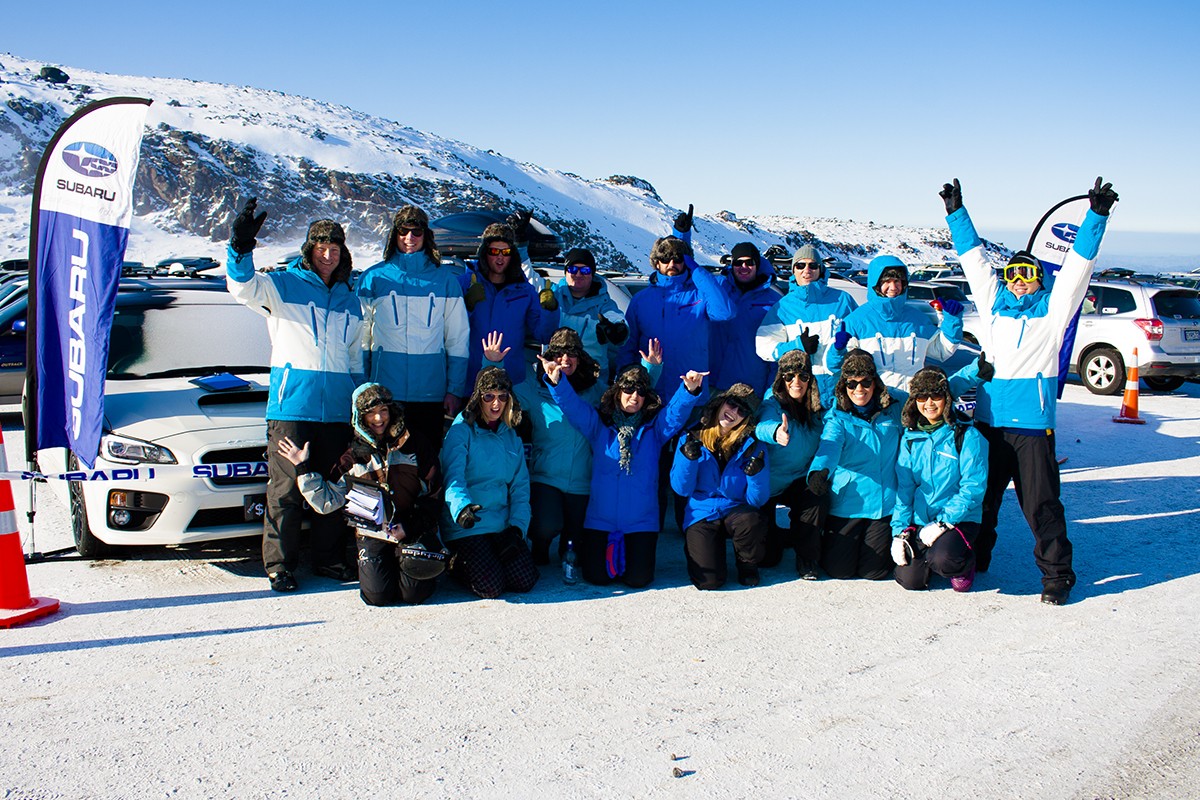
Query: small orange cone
point(1129, 403)
point(16, 606)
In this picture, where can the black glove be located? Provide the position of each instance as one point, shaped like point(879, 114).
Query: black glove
point(690, 447)
point(519, 222)
point(952, 194)
point(1102, 198)
point(510, 543)
point(683, 222)
point(469, 516)
point(607, 331)
point(986, 370)
point(810, 342)
point(818, 482)
point(245, 227)
point(754, 464)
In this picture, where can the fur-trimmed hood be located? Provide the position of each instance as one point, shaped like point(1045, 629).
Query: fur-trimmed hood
point(366, 397)
point(859, 364)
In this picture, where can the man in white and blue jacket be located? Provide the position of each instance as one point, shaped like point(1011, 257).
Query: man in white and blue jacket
point(316, 327)
point(1023, 327)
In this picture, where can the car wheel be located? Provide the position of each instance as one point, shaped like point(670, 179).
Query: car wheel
point(1167, 383)
point(86, 543)
point(1103, 371)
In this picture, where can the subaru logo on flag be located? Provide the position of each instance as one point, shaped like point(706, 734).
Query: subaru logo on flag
point(1065, 231)
point(89, 160)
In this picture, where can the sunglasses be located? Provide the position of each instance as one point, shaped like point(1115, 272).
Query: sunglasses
point(671, 260)
point(809, 265)
point(921, 398)
point(640, 392)
point(1026, 273)
point(745, 262)
point(579, 270)
point(491, 397)
point(788, 377)
point(865, 383)
point(499, 251)
point(417, 232)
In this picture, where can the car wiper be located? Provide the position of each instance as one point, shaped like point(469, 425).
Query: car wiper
point(185, 372)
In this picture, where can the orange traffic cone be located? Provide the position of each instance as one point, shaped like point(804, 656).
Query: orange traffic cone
point(16, 606)
point(1129, 403)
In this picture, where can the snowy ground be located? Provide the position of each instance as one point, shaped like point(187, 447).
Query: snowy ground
point(176, 673)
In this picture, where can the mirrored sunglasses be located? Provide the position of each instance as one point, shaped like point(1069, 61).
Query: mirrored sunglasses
point(579, 270)
point(491, 397)
point(499, 251)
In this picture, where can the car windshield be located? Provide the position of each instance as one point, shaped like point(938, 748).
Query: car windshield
point(185, 332)
point(1177, 305)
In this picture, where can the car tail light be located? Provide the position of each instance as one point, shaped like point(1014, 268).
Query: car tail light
point(1153, 328)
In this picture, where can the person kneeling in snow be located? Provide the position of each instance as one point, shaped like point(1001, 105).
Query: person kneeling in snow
point(387, 455)
point(940, 480)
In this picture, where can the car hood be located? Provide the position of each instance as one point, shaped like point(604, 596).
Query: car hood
point(164, 408)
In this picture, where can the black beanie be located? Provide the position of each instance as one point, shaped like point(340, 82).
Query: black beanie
point(579, 255)
point(746, 250)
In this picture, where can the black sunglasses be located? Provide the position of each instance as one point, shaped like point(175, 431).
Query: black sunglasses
point(865, 383)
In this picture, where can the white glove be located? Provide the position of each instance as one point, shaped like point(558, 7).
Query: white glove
point(901, 552)
point(931, 532)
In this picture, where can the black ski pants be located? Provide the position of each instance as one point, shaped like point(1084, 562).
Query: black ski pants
point(1031, 464)
point(704, 545)
point(857, 548)
point(554, 513)
point(381, 582)
point(641, 549)
point(950, 556)
point(806, 518)
point(328, 533)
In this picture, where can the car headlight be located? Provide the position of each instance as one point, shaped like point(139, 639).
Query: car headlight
point(126, 450)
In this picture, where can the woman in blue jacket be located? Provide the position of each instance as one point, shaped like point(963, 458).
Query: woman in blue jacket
point(856, 466)
point(627, 433)
point(487, 491)
point(790, 425)
point(940, 482)
point(721, 470)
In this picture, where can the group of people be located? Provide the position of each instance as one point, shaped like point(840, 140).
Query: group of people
point(711, 394)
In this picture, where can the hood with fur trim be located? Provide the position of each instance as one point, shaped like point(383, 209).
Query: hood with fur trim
point(631, 378)
point(499, 232)
point(326, 231)
point(491, 379)
point(930, 381)
point(365, 398)
point(859, 364)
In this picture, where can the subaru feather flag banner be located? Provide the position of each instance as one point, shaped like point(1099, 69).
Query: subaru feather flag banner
point(82, 206)
point(1051, 241)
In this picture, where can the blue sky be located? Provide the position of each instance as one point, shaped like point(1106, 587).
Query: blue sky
point(856, 111)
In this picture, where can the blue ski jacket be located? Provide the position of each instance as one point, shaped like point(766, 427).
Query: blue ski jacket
point(814, 306)
point(1022, 336)
point(316, 338)
point(937, 483)
point(676, 310)
point(416, 328)
point(712, 492)
point(860, 455)
point(582, 314)
point(513, 309)
point(625, 502)
point(733, 357)
point(793, 462)
point(485, 467)
point(899, 337)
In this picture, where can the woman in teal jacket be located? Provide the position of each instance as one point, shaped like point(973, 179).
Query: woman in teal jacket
point(487, 491)
point(858, 448)
point(940, 482)
point(790, 425)
point(721, 470)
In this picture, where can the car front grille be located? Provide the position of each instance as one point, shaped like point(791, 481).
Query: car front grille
point(219, 518)
point(236, 455)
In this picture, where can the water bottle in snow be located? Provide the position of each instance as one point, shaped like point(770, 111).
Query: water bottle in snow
point(570, 570)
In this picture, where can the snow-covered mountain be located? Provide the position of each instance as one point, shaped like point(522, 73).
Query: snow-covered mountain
point(208, 146)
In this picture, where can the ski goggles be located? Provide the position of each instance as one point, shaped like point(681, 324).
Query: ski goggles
point(579, 270)
point(499, 251)
point(1026, 273)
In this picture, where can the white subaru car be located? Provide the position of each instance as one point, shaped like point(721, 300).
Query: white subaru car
point(203, 440)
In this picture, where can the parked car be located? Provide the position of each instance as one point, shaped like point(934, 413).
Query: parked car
point(186, 265)
point(461, 234)
point(1161, 320)
point(166, 333)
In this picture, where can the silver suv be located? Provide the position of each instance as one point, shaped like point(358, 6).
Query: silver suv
point(1161, 320)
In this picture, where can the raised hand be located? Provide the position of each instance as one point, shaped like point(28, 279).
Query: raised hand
point(809, 342)
point(492, 344)
point(475, 293)
point(782, 437)
point(653, 352)
point(986, 370)
point(297, 455)
point(552, 369)
point(683, 222)
point(952, 195)
point(840, 340)
point(692, 380)
point(948, 306)
point(246, 227)
point(1102, 198)
point(519, 222)
point(546, 297)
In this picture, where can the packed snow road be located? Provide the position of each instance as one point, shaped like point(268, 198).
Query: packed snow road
point(177, 673)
